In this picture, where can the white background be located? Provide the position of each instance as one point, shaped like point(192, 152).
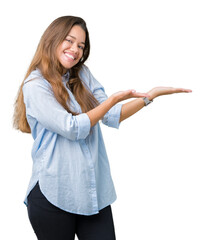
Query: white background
point(157, 157)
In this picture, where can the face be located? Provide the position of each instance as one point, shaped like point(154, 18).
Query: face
point(70, 51)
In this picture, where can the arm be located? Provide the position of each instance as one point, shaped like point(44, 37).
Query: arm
point(108, 111)
point(130, 108)
point(42, 106)
point(98, 113)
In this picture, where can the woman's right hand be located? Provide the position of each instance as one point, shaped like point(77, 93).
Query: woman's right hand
point(124, 95)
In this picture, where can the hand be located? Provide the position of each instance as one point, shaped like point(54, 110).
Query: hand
point(123, 95)
point(159, 91)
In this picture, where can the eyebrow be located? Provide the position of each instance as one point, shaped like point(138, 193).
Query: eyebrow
point(75, 38)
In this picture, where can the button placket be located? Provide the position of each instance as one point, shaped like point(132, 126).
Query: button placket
point(92, 189)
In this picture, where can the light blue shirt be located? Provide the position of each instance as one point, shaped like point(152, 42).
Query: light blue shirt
point(69, 157)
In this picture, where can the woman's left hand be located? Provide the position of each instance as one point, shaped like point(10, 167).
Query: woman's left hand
point(159, 91)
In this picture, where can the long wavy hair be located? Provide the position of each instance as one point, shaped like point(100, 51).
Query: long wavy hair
point(46, 60)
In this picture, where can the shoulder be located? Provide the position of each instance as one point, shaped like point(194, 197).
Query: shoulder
point(36, 78)
point(35, 82)
point(86, 76)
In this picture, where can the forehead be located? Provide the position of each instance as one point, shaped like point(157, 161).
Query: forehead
point(78, 33)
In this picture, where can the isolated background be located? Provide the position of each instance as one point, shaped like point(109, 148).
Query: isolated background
point(157, 156)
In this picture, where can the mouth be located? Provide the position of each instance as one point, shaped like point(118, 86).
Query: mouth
point(70, 56)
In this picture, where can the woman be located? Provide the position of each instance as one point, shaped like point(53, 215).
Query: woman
point(60, 104)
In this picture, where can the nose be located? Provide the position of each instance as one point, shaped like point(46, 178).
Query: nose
point(74, 48)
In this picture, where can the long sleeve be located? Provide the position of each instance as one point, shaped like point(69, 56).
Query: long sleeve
point(43, 106)
point(111, 118)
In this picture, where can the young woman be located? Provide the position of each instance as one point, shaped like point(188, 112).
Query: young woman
point(60, 103)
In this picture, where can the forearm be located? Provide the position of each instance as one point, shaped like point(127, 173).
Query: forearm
point(130, 108)
point(98, 112)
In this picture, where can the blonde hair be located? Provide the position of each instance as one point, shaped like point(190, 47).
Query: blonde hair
point(45, 59)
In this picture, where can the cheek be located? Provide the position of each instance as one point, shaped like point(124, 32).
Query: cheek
point(81, 54)
point(61, 48)
point(59, 51)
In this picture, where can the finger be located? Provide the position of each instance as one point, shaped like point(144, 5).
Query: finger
point(133, 93)
point(183, 90)
point(187, 90)
point(138, 94)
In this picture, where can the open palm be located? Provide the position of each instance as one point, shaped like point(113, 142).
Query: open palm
point(159, 91)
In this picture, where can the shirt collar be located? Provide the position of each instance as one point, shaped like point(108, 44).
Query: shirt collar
point(65, 77)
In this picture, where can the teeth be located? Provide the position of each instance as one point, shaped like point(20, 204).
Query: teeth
point(70, 56)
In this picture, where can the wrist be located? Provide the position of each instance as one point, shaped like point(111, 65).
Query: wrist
point(151, 96)
point(113, 99)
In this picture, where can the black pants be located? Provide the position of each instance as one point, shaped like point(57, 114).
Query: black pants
point(51, 223)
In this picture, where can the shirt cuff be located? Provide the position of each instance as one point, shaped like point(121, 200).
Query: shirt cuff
point(112, 117)
point(84, 125)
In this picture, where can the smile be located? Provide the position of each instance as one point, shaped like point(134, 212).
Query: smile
point(70, 56)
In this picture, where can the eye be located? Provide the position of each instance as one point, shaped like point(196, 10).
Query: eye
point(81, 47)
point(69, 40)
